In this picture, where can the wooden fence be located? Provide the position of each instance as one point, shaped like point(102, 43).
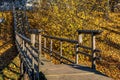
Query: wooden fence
point(31, 50)
point(31, 47)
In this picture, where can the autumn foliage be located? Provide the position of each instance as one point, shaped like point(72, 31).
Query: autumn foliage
point(63, 18)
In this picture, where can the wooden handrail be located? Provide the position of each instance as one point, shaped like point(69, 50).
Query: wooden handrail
point(36, 52)
point(61, 39)
point(23, 37)
point(95, 32)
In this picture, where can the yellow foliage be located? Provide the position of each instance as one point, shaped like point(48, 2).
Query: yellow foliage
point(66, 16)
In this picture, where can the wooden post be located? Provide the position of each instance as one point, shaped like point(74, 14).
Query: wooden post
point(80, 38)
point(51, 47)
point(39, 54)
point(21, 59)
point(33, 44)
point(93, 53)
point(44, 43)
point(76, 47)
point(23, 45)
point(24, 69)
point(76, 53)
point(21, 66)
point(61, 53)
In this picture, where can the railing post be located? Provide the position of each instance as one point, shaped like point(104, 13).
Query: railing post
point(25, 69)
point(76, 47)
point(93, 53)
point(76, 53)
point(80, 38)
point(44, 43)
point(21, 58)
point(23, 49)
point(61, 53)
point(51, 47)
point(21, 66)
point(33, 44)
point(23, 45)
point(40, 53)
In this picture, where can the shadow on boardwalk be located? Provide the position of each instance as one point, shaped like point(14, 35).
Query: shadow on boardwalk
point(88, 69)
point(7, 55)
point(70, 72)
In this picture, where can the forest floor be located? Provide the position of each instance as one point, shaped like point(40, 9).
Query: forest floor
point(9, 61)
point(108, 42)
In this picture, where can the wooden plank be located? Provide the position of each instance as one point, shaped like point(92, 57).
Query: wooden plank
point(71, 72)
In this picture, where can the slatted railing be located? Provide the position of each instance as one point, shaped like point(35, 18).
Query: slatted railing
point(58, 54)
point(77, 43)
point(31, 48)
point(93, 49)
point(31, 55)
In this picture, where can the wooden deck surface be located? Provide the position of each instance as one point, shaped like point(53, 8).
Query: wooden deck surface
point(69, 72)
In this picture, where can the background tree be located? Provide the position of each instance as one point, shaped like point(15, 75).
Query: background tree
point(112, 4)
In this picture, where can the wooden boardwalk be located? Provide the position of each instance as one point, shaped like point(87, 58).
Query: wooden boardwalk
point(32, 47)
point(69, 72)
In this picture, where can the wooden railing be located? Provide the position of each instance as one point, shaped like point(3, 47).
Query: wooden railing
point(31, 48)
point(31, 54)
point(60, 52)
point(93, 49)
point(78, 44)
